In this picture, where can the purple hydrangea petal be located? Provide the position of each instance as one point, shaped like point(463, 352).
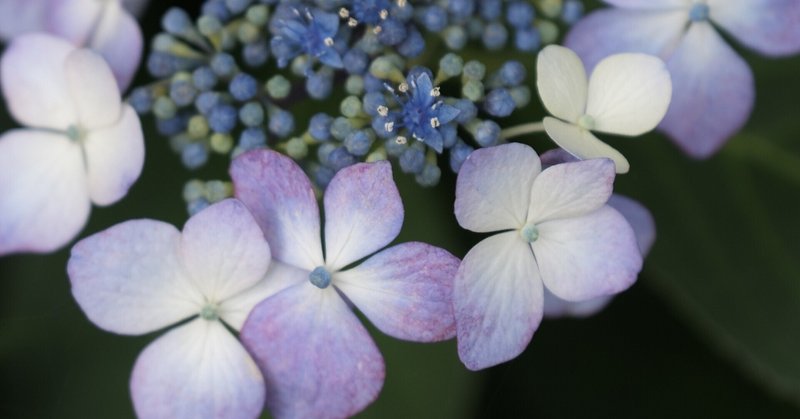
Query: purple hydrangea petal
point(73, 20)
point(224, 250)
point(317, 359)
point(493, 187)
point(771, 27)
point(571, 189)
point(114, 158)
point(197, 370)
point(498, 301)
point(128, 279)
point(18, 17)
point(44, 202)
point(639, 217)
point(363, 213)
point(713, 92)
point(555, 307)
point(611, 31)
point(406, 291)
point(234, 310)
point(280, 197)
point(34, 83)
point(589, 256)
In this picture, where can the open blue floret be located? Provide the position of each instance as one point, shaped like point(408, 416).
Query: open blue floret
point(308, 32)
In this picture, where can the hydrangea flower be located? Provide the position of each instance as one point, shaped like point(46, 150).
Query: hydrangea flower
point(713, 86)
point(144, 275)
point(309, 32)
point(104, 26)
point(83, 145)
point(421, 112)
point(317, 359)
point(555, 231)
point(627, 94)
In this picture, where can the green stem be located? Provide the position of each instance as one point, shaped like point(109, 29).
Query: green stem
point(516, 131)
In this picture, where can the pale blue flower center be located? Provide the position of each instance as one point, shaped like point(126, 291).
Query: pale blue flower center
point(530, 233)
point(76, 133)
point(698, 12)
point(586, 122)
point(209, 312)
point(320, 277)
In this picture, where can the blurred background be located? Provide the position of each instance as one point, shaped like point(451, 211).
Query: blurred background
point(711, 328)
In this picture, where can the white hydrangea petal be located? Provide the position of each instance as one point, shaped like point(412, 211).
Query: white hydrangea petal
point(128, 279)
point(114, 158)
point(119, 40)
point(93, 89)
point(74, 20)
point(562, 84)
point(234, 310)
point(589, 256)
point(363, 213)
point(571, 189)
point(44, 202)
point(771, 27)
point(34, 83)
point(197, 370)
point(629, 94)
point(493, 187)
point(497, 297)
point(582, 143)
point(224, 250)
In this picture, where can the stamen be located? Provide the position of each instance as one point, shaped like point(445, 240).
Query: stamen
point(403, 87)
point(209, 312)
point(328, 41)
point(530, 233)
point(383, 110)
point(384, 14)
point(401, 140)
point(344, 13)
point(352, 22)
point(435, 122)
point(436, 92)
point(389, 126)
point(320, 277)
point(376, 30)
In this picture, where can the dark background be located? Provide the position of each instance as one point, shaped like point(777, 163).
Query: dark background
point(672, 346)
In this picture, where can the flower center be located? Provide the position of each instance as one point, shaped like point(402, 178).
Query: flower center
point(320, 277)
point(698, 12)
point(76, 133)
point(530, 233)
point(209, 312)
point(586, 122)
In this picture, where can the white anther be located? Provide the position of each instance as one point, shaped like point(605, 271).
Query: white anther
point(344, 13)
point(352, 22)
point(403, 87)
point(328, 41)
point(383, 110)
point(401, 140)
point(389, 126)
point(435, 92)
point(435, 122)
point(384, 14)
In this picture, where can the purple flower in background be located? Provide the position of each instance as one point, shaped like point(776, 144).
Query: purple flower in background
point(83, 145)
point(555, 231)
point(317, 359)
point(713, 89)
point(144, 275)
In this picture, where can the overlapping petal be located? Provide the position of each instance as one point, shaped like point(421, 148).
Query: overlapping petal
point(317, 359)
point(128, 279)
point(640, 219)
point(493, 187)
point(197, 370)
point(43, 198)
point(118, 39)
point(556, 307)
point(93, 89)
point(74, 20)
point(114, 158)
point(628, 94)
point(280, 276)
point(18, 17)
point(34, 83)
point(583, 144)
point(571, 189)
point(713, 92)
point(562, 83)
point(497, 298)
point(280, 197)
point(363, 213)
point(589, 256)
point(771, 27)
point(405, 291)
point(612, 31)
point(224, 250)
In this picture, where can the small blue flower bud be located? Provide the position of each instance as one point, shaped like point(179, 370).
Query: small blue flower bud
point(495, 36)
point(243, 87)
point(512, 73)
point(223, 65)
point(487, 133)
point(430, 176)
point(251, 114)
point(222, 118)
point(458, 154)
point(358, 142)
point(499, 103)
point(252, 138)
point(141, 99)
point(520, 14)
point(281, 123)
point(319, 127)
point(204, 78)
point(412, 160)
point(194, 155)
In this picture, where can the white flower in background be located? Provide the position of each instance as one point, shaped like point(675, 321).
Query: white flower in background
point(627, 94)
point(82, 144)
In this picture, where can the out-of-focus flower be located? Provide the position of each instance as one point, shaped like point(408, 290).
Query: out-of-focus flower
point(143, 275)
point(713, 86)
point(83, 144)
point(317, 359)
point(627, 94)
point(556, 231)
